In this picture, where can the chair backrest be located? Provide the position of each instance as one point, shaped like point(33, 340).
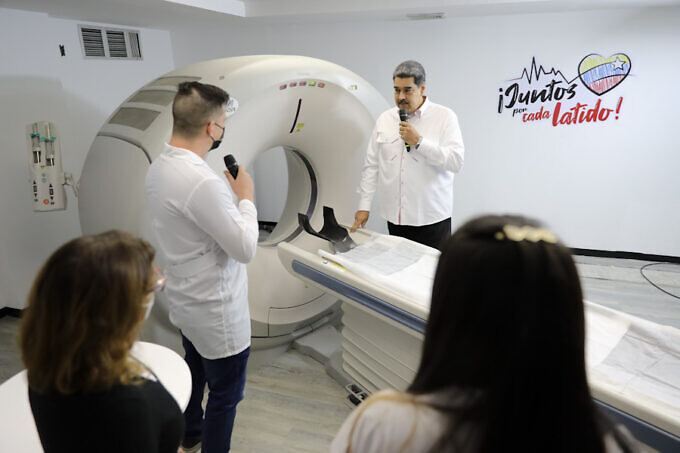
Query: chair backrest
point(16, 419)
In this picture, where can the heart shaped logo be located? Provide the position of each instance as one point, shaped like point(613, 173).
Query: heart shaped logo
point(600, 74)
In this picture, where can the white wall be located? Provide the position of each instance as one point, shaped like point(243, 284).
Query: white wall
point(613, 186)
point(36, 84)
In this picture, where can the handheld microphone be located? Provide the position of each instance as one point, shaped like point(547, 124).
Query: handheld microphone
point(403, 116)
point(231, 165)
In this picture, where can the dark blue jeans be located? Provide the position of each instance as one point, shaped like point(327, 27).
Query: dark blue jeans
point(226, 379)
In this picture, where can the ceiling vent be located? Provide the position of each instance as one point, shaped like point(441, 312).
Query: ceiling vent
point(426, 16)
point(108, 43)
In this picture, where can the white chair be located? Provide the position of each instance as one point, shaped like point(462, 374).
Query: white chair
point(18, 433)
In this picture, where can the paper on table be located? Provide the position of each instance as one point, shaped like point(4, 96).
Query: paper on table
point(634, 357)
point(385, 259)
point(395, 263)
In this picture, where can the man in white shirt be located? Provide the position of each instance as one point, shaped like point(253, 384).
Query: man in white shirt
point(412, 163)
point(207, 241)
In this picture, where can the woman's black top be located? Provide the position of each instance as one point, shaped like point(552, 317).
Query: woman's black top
point(126, 418)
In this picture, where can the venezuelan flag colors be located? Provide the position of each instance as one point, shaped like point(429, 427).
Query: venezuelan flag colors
point(600, 74)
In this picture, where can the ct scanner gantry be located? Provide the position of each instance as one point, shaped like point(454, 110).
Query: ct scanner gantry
point(320, 113)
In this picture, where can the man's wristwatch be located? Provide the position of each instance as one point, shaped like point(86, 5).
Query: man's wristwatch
point(420, 140)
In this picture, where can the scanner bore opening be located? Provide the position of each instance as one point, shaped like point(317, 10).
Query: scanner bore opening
point(285, 184)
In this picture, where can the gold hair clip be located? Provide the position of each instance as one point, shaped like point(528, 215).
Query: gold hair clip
point(528, 233)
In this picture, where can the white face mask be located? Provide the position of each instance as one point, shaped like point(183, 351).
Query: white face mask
point(149, 306)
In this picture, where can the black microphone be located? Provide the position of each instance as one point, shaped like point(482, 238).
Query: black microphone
point(403, 116)
point(231, 164)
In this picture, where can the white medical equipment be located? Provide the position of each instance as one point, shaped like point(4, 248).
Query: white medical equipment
point(47, 177)
point(633, 364)
point(320, 113)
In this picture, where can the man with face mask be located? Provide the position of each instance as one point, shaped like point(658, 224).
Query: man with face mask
point(411, 162)
point(206, 240)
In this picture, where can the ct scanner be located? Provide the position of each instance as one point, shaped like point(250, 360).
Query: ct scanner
point(322, 115)
point(319, 112)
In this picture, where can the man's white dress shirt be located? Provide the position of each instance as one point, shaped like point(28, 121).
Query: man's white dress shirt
point(416, 187)
point(206, 240)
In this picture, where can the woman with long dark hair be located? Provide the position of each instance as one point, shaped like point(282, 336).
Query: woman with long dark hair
point(503, 362)
point(85, 309)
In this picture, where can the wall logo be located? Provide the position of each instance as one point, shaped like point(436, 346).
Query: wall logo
point(538, 94)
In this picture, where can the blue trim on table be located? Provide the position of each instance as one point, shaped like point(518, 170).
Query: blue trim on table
point(401, 316)
point(656, 438)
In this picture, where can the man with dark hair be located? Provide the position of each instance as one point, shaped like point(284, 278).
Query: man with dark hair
point(195, 104)
point(412, 162)
point(206, 240)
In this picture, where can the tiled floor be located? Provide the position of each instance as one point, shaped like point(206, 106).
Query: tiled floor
point(291, 406)
point(618, 284)
point(10, 360)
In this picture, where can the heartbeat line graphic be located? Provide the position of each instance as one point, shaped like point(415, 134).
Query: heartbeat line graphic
point(535, 73)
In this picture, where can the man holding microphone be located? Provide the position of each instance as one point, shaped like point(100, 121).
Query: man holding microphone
point(207, 241)
point(413, 153)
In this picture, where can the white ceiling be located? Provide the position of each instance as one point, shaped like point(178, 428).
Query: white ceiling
point(168, 14)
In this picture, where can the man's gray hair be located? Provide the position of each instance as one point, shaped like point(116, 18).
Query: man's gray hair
point(408, 69)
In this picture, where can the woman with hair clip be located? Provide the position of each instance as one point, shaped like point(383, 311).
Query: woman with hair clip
point(503, 360)
point(85, 309)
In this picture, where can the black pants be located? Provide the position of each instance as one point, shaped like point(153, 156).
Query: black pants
point(432, 235)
